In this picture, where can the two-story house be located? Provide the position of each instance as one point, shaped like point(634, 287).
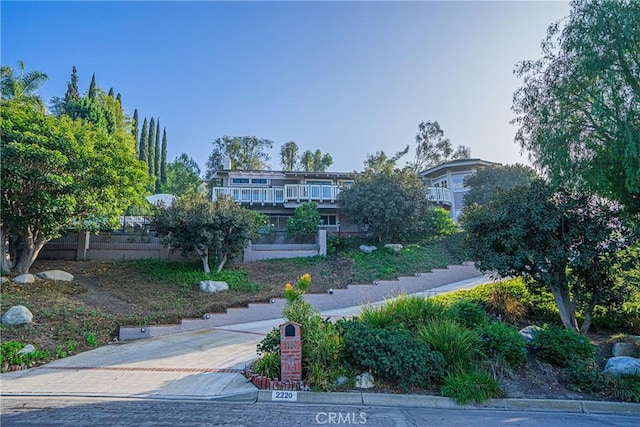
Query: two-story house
point(277, 193)
point(445, 182)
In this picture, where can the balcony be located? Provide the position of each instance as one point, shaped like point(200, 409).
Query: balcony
point(300, 193)
point(439, 195)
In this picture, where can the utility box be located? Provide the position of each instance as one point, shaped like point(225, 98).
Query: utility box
point(290, 352)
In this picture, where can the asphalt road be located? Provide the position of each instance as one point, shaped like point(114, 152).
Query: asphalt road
point(34, 411)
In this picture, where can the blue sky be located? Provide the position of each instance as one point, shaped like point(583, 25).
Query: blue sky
point(349, 78)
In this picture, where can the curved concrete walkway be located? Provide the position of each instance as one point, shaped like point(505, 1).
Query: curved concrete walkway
point(208, 363)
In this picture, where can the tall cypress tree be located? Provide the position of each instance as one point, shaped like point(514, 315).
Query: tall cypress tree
point(119, 99)
point(163, 158)
point(72, 94)
point(110, 92)
point(151, 148)
point(134, 130)
point(158, 152)
point(91, 94)
point(144, 134)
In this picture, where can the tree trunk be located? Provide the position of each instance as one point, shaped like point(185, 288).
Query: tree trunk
point(5, 263)
point(566, 308)
point(588, 316)
point(204, 256)
point(32, 247)
point(223, 261)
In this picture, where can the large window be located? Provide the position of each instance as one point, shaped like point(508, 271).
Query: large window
point(328, 220)
point(319, 182)
point(457, 182)
point(262, 181)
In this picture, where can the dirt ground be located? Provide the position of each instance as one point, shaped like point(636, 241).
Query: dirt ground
point(534, 380)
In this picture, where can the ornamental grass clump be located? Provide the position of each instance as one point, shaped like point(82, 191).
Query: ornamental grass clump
point(459, 345)
point(473, 386)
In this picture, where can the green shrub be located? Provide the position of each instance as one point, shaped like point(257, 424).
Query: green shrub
point(268, 365)
point(9, 355)
point(270, 343)
point(440, 222)
point(503, 342)
point(626, 388)
point(467, 313)
point(409, 312)
point(560, 346)
point(458, 344)
point(587, 377)
point(471, 387)
point(305, 220)
point(392, 355)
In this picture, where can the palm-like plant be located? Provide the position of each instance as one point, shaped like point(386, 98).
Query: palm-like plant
point(23, 85)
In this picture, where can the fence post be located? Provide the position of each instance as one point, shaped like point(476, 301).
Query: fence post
point(83, 245)
point(322, 242)
point(248, 253)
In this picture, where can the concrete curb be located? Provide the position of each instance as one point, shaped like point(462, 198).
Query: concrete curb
point(437, 402)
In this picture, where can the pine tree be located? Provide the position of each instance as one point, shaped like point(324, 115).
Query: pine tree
point(72, 94)
point(134, 130)
point(110, 92)
point(151, 148)
point(119, 99)
point(91, 94)
point(163, 158)
point(144, 134)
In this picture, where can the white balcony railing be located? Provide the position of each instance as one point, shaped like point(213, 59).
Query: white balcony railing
point(251, 195)
point(439, 195)
point(311, 193)
point(299, 193)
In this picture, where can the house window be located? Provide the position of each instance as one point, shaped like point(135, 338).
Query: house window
point(237, 181)
point(319, 183)
point(262, 181)
point(328, 220)
point(457, 182)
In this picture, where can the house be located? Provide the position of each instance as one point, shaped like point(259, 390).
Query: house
point(445, 182)
point(277, 194)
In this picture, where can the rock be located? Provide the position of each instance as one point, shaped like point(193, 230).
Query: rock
point(60, 275)
point(212, 286)
point(17, 315)
point(4, 280)
point(622, 365)
point(367, 249)
point(27, 349)
point(364, 381)
point(623, 349)
point(395, 247)
point(24, 278)
point(342, 380)
point(529, 332)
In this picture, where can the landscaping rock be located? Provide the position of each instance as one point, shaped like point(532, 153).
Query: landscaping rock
point(212, 286)
point(341, 380)
point(17, 315)
point(4, 280)
point(364, 381)
point(395, 247)
point(24, 278)
point(60, 275)
point(623, 349)
point(529, 332)
point(622, 365)
point(367, 249)
point(29, 348)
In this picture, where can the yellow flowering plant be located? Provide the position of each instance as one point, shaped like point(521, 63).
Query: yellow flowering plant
point(295, 292)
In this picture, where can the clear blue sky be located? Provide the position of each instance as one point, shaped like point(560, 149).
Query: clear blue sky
point(348, 78)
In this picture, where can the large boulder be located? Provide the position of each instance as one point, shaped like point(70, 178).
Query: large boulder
point(622, 365)
point(364, 381)
point(367, 249)
point(24, 278)
point(529, 332)
point(4, 280)
point(59, 275)
point(623, 349)
point(17, 315)
point(211, 286)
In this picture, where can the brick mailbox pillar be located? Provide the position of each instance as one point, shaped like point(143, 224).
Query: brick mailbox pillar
point(290, 352)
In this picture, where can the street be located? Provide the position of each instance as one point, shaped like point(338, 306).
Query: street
point(48, 411)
